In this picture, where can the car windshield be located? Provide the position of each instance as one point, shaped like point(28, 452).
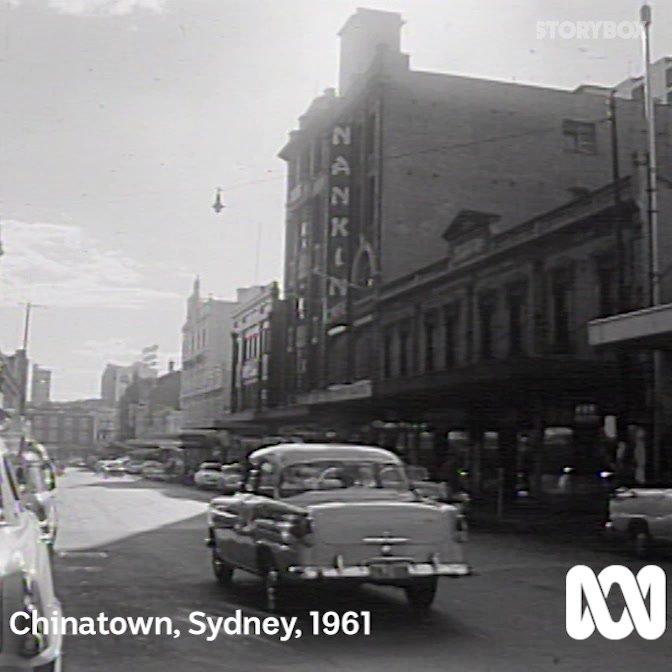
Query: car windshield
point(340, 474)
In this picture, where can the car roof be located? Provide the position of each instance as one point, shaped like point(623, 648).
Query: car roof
point(290, 453)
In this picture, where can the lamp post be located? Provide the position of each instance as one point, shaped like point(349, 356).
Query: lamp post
point(652, 189)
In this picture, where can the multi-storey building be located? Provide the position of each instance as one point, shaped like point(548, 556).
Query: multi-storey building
point(661, 83)
point(65, 429)
point(377, 173)
point(258, 335)
point(448, 234)
point(150, 407)
point(205, 394)
point(40, 385)
point(13, 381)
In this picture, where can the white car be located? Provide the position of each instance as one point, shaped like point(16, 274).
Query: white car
point(26, 583)
point(642, 516)
point(208, 475)
point(37, 482)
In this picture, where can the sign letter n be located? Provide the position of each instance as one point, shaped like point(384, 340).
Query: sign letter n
point(582, 584)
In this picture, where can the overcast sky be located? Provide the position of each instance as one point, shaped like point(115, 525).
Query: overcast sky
point(119, 118)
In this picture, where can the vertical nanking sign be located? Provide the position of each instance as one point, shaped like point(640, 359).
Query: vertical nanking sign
point(339, 226)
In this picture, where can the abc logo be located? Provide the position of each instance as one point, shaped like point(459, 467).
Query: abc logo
point(582, 584)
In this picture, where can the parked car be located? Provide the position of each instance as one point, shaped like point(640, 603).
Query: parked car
point(642, 516)
point(134, 467)
point(26, 583)
point(207, 476)
point(114, 467)
point(154, 470)
point(37, 482)
point(418, 478)
point(342, 513)
point(230, 479)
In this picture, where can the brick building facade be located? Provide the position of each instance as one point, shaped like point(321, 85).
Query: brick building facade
point(258, 336)
point(448, 239)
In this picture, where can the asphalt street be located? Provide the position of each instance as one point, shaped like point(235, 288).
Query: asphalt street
point(128, 547)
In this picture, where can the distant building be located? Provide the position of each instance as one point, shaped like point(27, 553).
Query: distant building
point(150, 407)
point(65, 429)
point(205, 395)
point(40, 386)
point(116, 378)
point(661, 83)
point(13, 380)
point(258, 351)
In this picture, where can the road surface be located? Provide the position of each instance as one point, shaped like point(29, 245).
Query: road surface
point(127, 547)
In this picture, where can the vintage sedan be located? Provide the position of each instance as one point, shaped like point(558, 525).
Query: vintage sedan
point(25, 580)
point(339, 513)
point(207, 476)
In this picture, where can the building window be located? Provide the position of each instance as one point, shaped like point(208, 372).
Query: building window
point(669, 97)
point(451, 324)
point(403, 351)
point(317, 156)
point(370, 212)
point(517, 300)
point(301, 308)
point(387, 355)
point(364, 276)
point(638, 92)
point(370, 134)
point(668, 77)
point(580, 136)
point(561, 301)
point(304, 164)
point(486, 310)
point(606, 277)
point(430, 345)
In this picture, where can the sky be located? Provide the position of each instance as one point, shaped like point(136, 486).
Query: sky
point(120, 118)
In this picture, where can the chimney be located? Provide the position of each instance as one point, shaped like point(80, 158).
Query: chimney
point(362, 37)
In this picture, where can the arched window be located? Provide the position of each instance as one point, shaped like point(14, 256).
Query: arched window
point(364, 271)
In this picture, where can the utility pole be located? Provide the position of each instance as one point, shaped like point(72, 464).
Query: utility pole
point(623, 417)
point(618, 218)
point(652, 187)
point(26, 334)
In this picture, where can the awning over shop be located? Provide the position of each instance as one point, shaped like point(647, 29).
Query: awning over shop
point(649, 328)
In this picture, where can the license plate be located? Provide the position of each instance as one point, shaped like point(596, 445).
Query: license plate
point(388, 571)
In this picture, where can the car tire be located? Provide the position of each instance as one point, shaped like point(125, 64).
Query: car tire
point(222, 570)
point(640, 541)
point(421, 595)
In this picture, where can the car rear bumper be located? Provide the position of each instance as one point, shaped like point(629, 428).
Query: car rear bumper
point(382, 572)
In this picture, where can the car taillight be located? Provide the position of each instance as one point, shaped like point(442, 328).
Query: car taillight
point(301, 527)
point(296, 526)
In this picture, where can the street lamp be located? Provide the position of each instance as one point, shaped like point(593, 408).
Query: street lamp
point(218, 206)
point(654, 262)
